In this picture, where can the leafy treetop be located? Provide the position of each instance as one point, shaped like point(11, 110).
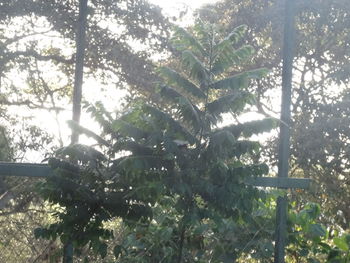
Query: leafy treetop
point(170, 151)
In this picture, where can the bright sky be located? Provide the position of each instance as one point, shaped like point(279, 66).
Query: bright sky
point(173, 6)
point(169, 4)
point(170, 8)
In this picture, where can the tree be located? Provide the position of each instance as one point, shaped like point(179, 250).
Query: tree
point(169, 162)
point(319, 138)
point(36, 75)
point(45, 35)
point(21, 210)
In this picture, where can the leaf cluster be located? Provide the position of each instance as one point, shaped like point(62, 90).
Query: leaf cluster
point(171, 157)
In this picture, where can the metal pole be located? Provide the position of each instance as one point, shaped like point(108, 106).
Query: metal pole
point(79, 65)
point(284, 145)
point(77, 94)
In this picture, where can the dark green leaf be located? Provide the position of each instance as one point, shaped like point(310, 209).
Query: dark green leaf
point(173, 78)
point(117, 251)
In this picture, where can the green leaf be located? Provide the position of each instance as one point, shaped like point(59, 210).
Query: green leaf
point(242, 147)
point(183, 40)
point(203, 33)
point(167, 233)
point(250, 170)
point(144, 162)
point(41, 233)
point(81, 130)
point(239, 81)
point(222, 139)
point(195, 67)
point(134, 147)
point(238, 33)
point(311, 210)
point(103, 250)
point(199, 230)
point(174, 78)
point(229, 103)
point(317, 230)
point(117, 250)
point(224, 51)
point(235, 82)
point(80, 152)
point(257, 73)
point(188, 111)
point(100, 114)
point(173, 125)
point(247, 129)
point(231, 58)
point(341, 243)
point(127, 129)
point(232, 38)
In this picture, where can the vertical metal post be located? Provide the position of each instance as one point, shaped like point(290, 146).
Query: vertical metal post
point(77, 93)
point(284, 145)
point(79, 64)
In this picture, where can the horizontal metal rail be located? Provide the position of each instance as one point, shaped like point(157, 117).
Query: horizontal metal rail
point(25, 169)
point(280, 182)
point(43, 170)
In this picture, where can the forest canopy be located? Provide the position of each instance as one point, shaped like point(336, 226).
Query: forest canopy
point(176, 117)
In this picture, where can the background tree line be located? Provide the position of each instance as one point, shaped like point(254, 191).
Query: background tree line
point(123, 55)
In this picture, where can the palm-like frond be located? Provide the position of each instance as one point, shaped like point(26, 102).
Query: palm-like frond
point(100, 114)
point(170, 125)
point(132, 146)
point(229, 57)
point(257, 73)
point(243, 147)
point(239, 81)
point(172, 77)
point(237, 34)
point(235, 82)
point(173, 146)
point(224, 145)
point(144, 162)
point(195, 68)
point(183, 40)
point(81, 153)
point(128, 130)
point(249, 128)
point(171, 153)
point(188, 111)
point(229, 103)
point(203, 32)
point(82, 130)
point(221, 142)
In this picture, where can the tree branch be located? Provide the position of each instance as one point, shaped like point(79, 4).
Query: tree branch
point(36, 55)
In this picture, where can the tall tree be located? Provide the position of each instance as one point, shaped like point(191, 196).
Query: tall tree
point(40, 35)
point(37, 71)
point(320, 106)
point(169, 158)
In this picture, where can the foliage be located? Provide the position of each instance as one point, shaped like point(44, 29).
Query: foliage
point(310, 241)
point(20, 208)
point(5, 149)
point(320, 108)
point(37, 43)
point(175, 178)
